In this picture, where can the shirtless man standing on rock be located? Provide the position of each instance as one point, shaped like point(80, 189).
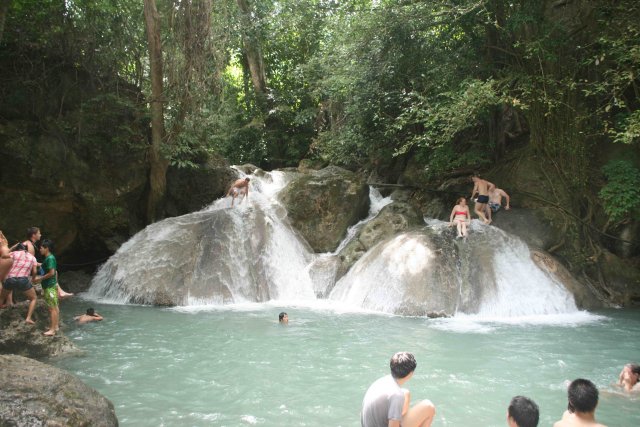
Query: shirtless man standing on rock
point(483, 188)
point(239, 188)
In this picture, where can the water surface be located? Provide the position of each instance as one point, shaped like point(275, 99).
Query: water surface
point(237, 366)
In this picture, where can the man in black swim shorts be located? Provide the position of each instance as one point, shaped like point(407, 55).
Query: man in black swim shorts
point(483, 188)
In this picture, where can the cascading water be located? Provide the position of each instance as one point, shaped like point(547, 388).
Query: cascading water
point(219, 255)
point(250, 253)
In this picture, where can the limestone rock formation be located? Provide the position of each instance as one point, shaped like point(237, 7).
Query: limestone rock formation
point(323, 204)
point(427, 272)
point(392, 219)
point(34, 394)
point(18, 337)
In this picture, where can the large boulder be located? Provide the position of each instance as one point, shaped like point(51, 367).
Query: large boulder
point(34, 394)
point(429, 272)
point(18, 337)
point(392, 219)
point(323, 204)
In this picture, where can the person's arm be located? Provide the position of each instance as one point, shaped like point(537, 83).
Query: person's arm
point(34, 272)
point(468, 214)
point(48, 275)
point(394, 423)
point(407, 402)
point(97, 316)
point(475, 187)
point(490, 187)
point(504, 193)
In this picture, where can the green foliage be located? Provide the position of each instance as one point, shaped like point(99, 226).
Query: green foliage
point(621, 194)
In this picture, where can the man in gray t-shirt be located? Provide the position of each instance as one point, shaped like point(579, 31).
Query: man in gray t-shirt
point(386, 403)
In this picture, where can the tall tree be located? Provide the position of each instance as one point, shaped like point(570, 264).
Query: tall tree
point(157, 163)
point(252, 50)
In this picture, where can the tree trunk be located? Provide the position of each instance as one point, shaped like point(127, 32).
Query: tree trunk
point(157, 163)
point(4, 9)
point(252, 51)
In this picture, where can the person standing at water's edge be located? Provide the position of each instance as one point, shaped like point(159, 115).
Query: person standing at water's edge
point(387, 404)
point(522, 412)
point(239, 188)
point(19, 277)
point(50, 285)
point(581, 410)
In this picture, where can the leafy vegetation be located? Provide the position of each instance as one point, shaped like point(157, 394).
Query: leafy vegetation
point(351, 83)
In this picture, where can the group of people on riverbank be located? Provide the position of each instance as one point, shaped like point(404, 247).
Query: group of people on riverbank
point(20, 270)
point(387, 404)
point(488, 200)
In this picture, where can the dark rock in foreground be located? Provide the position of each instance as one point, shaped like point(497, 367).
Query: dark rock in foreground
point(35, 394)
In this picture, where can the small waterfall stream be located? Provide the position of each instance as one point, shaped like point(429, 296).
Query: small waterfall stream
point(250, 253)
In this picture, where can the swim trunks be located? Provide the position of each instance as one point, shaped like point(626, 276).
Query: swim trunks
point(20, 284)
point(495, 207)
point(483, 199)
point(50, 296)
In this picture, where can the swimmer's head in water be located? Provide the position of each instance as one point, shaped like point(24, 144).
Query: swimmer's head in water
point(402, 364)
point(91, 311)
point(283, 317)
point(583, 396)
point(524, 411)
point(247, 179)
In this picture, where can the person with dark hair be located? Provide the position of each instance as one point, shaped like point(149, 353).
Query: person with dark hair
point(522, 412)
point(460, 217)
point(629, 378)
point(89, 316)
point(581, 409)
point(283, 318)
point(23, 271)
point(33, 235)
point(387, 404)
point(482, 187)
point(49, 284)
point(239, 188)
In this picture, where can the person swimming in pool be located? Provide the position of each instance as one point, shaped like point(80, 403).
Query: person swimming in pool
point(629, 378)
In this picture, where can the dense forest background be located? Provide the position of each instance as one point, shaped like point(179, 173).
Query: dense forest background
point(106, 101)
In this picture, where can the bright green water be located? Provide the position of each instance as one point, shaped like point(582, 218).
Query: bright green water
point(238, 367)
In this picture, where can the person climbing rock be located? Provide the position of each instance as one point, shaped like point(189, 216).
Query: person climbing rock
point(239, 188)
point(495, 202)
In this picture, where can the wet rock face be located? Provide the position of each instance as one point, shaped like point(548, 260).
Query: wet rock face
point(323, 204)
point(35, 394)
point(392, 219)
point(18, 337)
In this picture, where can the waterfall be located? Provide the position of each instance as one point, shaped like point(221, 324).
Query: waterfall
point(491, 274)
point(219, 255)
point(250, 253)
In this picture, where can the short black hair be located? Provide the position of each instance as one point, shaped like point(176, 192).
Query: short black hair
point(635, 368)
point(583, 396)
point(46, 243)
point(32, 231)
point(524, 411)
point(281, 316)
point(402, 364)
point(91, 311)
